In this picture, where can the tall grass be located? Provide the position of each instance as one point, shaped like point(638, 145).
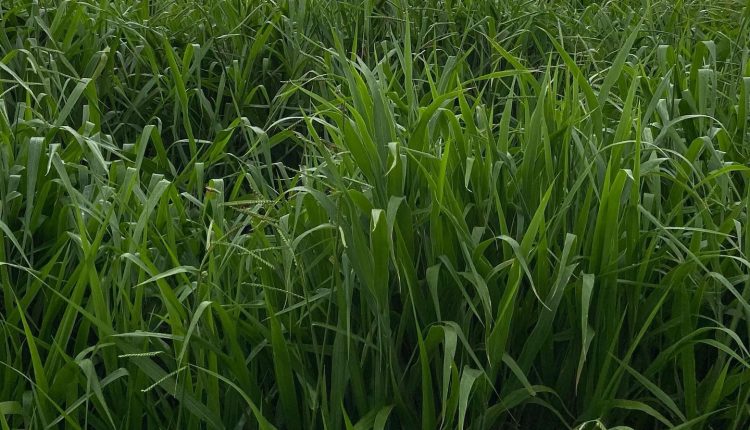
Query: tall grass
point(374, 214)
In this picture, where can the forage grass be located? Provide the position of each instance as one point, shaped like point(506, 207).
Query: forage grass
point(380, 214)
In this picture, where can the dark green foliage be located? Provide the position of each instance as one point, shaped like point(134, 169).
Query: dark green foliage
point(374, 214)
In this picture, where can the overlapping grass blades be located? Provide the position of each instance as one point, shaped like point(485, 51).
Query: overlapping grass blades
point(314, 214)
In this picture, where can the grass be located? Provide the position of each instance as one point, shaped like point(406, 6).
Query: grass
point(374, 214)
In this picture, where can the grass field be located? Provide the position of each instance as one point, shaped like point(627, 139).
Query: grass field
point(374, 214)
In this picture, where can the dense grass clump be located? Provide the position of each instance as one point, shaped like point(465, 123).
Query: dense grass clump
point(374, 214)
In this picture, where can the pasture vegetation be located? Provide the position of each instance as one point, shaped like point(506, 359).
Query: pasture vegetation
point(439, 214)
